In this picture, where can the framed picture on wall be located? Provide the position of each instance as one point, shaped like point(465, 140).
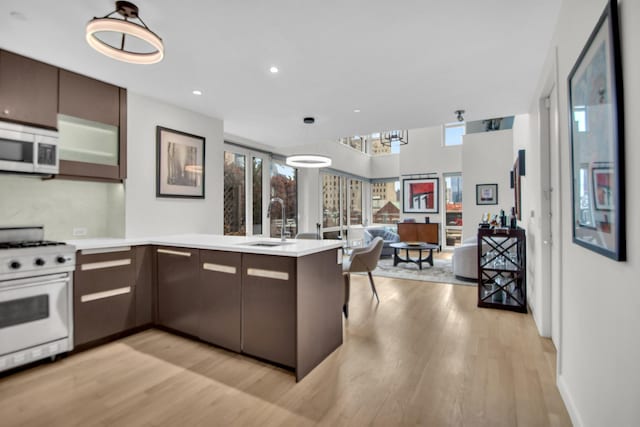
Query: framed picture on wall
point(420, 195)
point(597, 141)
point(486, 194)
point(179, 164)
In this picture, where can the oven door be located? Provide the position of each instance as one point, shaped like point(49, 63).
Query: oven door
point(34, 311)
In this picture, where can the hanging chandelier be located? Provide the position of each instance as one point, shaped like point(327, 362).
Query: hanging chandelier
point(98, 29)
point(394, 137)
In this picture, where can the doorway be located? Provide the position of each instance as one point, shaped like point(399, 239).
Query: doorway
point(551, 216)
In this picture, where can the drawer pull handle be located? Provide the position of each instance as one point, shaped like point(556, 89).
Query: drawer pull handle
point(219, 268)
point(269, 274)
point(105, 250)
point(105, 264)
point(105, 294)
point(169, 252)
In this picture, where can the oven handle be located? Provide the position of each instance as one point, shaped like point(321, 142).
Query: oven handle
point(34, 281)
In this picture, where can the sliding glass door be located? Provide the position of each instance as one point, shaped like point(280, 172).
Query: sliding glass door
point(244, 191)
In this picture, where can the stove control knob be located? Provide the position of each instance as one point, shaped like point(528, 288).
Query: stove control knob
point(61, 259)
point(39, 262)
point(15, 265)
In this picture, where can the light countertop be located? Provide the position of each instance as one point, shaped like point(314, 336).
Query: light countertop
point(291, 248)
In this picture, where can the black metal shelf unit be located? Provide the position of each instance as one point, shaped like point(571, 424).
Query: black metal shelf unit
point(502, 278)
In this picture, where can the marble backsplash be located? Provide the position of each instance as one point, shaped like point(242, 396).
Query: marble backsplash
point(62, 206)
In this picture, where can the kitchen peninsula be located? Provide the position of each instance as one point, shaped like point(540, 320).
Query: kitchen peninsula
point(277, 301)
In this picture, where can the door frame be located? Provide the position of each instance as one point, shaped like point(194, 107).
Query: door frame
point(551, 209)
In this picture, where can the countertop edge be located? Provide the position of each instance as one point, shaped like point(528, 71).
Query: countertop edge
point(96, 244)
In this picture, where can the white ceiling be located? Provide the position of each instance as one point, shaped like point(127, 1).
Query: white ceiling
point(404, 63)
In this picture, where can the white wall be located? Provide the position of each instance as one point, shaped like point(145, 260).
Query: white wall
point(425, 154)
point(487, 158)
point(147, 215)
point(600, 305)
point(526, 136)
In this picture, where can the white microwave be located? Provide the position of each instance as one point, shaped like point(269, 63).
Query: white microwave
point(26, 149)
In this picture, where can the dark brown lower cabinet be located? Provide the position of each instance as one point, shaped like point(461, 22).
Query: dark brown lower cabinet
point(178, 289)
point(145, 292)
point(220, 298)
point(269, 308)
point(104, 294)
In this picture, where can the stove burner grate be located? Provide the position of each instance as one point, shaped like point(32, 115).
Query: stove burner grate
point(29, 244)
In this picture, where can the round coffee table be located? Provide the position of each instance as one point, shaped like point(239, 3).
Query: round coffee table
point(413, 246)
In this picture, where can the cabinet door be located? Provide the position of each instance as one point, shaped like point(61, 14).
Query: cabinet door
point(104, 295)
point(89, 99)
point(28, 91)
point(93, 128)
point(428, 233)
point(220, 298)
point(178, 298)
point(269, 308)
point(145, 295)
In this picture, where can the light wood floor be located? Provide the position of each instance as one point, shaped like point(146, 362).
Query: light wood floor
point(424, 356)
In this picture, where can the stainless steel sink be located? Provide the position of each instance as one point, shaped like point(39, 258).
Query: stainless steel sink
point(266, 244)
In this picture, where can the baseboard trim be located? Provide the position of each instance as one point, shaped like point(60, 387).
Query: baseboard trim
point(568, 402)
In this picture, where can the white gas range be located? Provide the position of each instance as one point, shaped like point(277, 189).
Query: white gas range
point(36, 296)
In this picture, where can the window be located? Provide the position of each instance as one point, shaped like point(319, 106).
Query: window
point(244, 191)
point(385, 201)
point(234, 194)
point(355, 202)
point(356, 142)
point(257, 196)
point(338, 193)
point(453, 209)
point(284, 185)
point(453, 134)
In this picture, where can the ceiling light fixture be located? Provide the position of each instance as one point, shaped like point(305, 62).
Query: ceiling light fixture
point(459, 115)
point(197, 92)
point(124, 27)
point(394, 137)
point(274, 70)
point(308, 161)
point(356, 111)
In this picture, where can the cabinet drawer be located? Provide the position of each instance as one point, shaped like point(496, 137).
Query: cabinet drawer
point(104, 294)
point(106, 315)
point(89, 256)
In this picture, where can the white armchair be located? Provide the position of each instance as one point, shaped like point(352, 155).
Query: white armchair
point(361, 260)
point(465, 259)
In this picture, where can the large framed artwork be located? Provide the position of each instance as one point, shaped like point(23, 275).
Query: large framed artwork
point(597, 141)
point(420, 195)
point(179, 164)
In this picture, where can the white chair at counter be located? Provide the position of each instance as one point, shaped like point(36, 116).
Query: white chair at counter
point(361, 260)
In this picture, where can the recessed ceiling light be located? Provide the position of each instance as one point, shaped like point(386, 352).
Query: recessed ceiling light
point(356, 110)
point(197, 92)
point(274, 70)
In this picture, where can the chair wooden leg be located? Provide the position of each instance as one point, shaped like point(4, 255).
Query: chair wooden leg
point(373, 286)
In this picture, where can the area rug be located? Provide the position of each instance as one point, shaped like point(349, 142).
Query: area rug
point(441, 272)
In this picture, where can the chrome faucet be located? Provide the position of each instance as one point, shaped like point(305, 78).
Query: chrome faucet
point(279, 200)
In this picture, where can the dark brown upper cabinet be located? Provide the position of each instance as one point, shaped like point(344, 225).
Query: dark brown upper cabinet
point(28, 91)
point(90, 99)
point(90, 109)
